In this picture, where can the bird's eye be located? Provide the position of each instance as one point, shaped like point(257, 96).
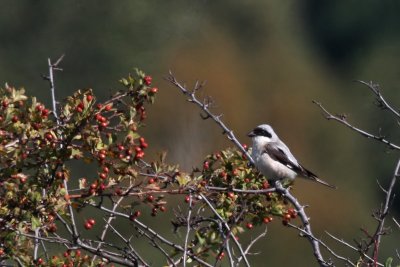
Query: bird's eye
point(262, 132)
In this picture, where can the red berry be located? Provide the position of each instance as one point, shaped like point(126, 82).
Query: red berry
point(108, 107)
point(139, 155)
point(45, 112)
point(4, 103)
point(49, 136)
point(102, 156)
point(163, 208)
point(147, 80)
point(235, 172)
point(39, 107)
point(151, 181)
point(150, 198)
point(154, 90)
point(91, 221)
point(102, 187)
point(231, 195)
point(88, 226)
point(135, 215)
point(40, 261)
point(60, 175)
point(15, 119)
point(106, 169)
point(249, 225)
point(98, 117)
point(144, 145)
point(89, 98)
point(265, 185)
point(77, 253)
point(206, 165)
point(99, 106)
point(221, 256)
point(52, 228)
point(187, 199)
point(266, 220)
point(245, 146)
point(118, 191)
point(79, 109)
point(103, 175)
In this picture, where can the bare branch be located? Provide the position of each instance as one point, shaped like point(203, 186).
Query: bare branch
point(342, 119)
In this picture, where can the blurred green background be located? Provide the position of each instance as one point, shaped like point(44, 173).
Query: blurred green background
point(264, 61)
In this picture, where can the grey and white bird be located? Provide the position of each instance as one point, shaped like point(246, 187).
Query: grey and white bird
point(274, 159)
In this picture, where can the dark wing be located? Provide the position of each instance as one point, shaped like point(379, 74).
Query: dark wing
point(278, 154)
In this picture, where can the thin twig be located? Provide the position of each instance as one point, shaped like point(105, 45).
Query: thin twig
point(382, 101)
point(352, 247)
point(251, 244)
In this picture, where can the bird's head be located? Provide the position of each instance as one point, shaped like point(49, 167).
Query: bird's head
point(263, 134)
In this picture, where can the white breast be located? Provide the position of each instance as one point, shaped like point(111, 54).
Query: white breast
point(269, 167)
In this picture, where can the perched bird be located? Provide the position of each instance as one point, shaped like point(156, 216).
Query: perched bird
point(274, 159)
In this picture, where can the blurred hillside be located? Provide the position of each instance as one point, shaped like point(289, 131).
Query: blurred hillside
point(264, 61)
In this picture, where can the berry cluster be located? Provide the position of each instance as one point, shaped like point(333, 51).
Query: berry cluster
point(36, 147)
point(229, 170)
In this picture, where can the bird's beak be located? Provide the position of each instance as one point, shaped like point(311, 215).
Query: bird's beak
point(251, 134)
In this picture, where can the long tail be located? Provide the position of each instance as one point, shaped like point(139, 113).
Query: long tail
point(309, 175)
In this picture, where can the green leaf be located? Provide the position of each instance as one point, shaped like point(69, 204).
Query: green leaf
point(388, 262)
point(35, 222)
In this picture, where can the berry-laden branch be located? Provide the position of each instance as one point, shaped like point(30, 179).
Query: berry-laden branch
point(204, 106)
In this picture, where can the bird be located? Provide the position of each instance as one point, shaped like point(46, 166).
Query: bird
point(273, 158)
